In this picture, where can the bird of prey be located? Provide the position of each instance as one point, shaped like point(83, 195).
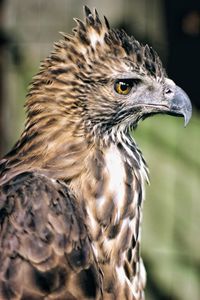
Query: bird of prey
point(72, 188)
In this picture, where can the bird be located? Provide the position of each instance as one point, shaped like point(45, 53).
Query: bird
point(72, 188)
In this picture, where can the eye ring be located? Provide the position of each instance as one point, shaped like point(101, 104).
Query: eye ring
point(124, 86)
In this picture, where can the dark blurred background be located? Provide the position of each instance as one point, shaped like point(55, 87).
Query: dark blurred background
point(171, 227)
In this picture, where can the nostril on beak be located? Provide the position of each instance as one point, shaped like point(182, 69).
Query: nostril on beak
point(168, 91)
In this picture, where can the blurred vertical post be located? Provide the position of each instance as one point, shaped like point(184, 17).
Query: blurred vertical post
point(2, 44)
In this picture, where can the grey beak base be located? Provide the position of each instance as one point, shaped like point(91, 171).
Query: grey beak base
point(181, 105)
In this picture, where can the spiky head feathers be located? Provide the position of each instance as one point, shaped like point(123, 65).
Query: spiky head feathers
point(76, 82)
point(95, 39)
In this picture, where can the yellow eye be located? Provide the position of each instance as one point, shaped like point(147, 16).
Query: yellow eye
point(123, 87)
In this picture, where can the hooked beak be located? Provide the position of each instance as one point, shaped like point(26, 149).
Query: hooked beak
point(172, 102)
point(180, 105)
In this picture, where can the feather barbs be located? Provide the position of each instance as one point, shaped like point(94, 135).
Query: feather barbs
point(94, 38)
point(92, 31)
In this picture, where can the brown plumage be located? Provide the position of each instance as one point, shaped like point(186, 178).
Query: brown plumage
point(72, 187)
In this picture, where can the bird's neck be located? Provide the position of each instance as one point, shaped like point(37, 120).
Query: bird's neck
point(111, 189)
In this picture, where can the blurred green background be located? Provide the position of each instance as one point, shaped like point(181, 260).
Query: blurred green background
point(171, 221)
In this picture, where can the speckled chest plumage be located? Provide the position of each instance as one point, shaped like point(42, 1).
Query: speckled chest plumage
point(114, 204)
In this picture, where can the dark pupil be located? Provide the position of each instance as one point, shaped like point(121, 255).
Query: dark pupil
point(124, 86)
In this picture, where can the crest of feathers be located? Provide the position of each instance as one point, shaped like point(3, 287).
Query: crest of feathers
point(87, 57)
point(94, 41)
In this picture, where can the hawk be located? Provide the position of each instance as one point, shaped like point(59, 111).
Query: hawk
point(72, 188)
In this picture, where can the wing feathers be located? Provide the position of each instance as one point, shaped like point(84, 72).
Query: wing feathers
point(44, 244)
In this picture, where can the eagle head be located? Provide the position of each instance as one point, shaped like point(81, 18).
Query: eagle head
point(99, 79)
